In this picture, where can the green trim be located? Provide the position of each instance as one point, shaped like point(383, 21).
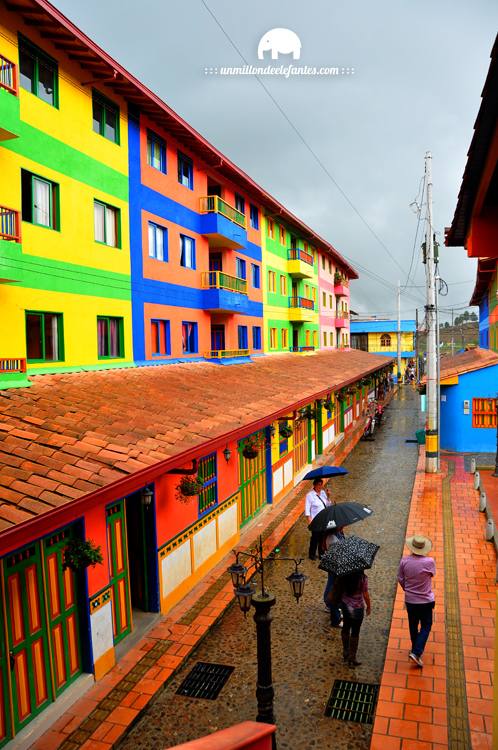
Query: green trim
point(114, 579)
point(53, 190)
point(36, 272)
point(120, 322)
point(39, 55)
point(60, 334)
point(50, 152)
point(78, 368)
point(117, 219)
point(319, 428)
point(4, 666)
point(106, 104)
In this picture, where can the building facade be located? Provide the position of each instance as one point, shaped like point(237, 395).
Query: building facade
point(381, 337)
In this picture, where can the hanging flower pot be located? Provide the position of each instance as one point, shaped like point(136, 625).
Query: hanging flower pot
point(328, 404)
point(80, 554)
point(285, 430)
point(188, 487)
point(251, 448)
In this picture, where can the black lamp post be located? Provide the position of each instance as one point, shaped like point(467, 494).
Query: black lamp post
point(262, 601)
point(495, 473)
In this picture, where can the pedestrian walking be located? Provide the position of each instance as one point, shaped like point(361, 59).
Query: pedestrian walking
point(351, 591)
point(316, 500)
point(335, 612)
point(415, 575)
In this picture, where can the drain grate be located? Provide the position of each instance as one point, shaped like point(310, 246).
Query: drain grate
point(205, 680)
point(352, 701)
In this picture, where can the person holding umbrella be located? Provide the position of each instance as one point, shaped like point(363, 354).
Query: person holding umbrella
point(316, 500)
point(351, 591)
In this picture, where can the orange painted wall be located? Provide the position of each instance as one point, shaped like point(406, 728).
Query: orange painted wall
point(171, 271)
point(95, 529)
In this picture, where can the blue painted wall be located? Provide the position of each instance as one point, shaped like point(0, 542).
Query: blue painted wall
point(484, 323)
point(457, 433)
point(382, 326)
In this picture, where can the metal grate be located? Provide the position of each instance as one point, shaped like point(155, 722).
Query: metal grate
point(352, 701)
point(205, 680)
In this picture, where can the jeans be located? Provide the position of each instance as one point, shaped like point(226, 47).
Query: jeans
point(419, 614)
point(335, 612)
point(351, 625)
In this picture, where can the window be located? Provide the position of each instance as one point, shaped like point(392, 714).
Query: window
point(282, 236)
point(256, 337)
point(240, 203)
point(307, 338)
point(323, 262)
point(285, 338)
point(331, 302)
point(305, 246)
point(283, 285)
point(106, 223)
point(110, 337)
point(313, 293)
point(484, 412)
point(40, 200)
point(158, 242)
point(324, 299)
point(207, 474)
point(240, 268)
point(187, 252)
point(38, 73)
point(315, 339)
point(330, 266)
point(272, 281)
point(189, 337)
point(156, 152)
point(306, 291)
point(273, 338)
point(271, 229)
point(385, 340)
point(105, 117)
point(185, 171)
point(242, 337)
point(325, 338)
point(254, 216)
point(160, 337)
point(44, 337)
point(256, 276)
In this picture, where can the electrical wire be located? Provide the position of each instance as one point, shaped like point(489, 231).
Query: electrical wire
point(419, 213)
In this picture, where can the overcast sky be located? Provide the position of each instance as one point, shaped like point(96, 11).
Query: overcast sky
point(419, 72)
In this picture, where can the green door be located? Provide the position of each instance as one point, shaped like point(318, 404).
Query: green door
point(118, 570)
point(252, 475)
point(5, 731)
point(28, 636)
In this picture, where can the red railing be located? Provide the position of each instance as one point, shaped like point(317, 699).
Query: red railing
point(8, 75)
point(301, 302)
point(296, 254)
point(10, 225)
point(12, 365)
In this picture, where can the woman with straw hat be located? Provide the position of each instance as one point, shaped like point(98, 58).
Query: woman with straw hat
point(415, 578)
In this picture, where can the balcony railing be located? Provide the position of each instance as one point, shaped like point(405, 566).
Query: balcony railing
point(296, 253)
point(12, 365)
point(215, 204)
point(308, 304)
point(302, 349)
point(10, 225)
point(226, 353)
point(220, 280)
point(343, 314)
point(8, 75)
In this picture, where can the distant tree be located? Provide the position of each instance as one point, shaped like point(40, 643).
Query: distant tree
point(458, 320)
point(466, 315)
point(473, 316)
point(446, 325)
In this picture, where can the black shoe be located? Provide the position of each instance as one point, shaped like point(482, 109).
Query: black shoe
point(312, 558)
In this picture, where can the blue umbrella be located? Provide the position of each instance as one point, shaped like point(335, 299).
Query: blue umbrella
point(326, 471)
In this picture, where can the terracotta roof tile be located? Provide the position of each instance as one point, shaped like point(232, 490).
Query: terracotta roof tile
point(467, 361)
point(88, 430)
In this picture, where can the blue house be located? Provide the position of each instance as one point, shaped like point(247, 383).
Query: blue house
point(469, 388)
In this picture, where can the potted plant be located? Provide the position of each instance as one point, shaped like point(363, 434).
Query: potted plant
point(328, 404)
point(80, 554)
point(285, 430)
point(251, 448)
point(189, 485)
point(337, 278)
point(307, 412)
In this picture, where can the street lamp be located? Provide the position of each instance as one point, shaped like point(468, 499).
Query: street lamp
point(262, 601)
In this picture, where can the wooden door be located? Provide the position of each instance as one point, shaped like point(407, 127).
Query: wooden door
point(252, 472)
point(118, 570)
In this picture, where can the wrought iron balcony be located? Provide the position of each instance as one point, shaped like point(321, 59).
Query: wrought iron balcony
point(295, 253)
point(10, 224)
point(221, 280)
point(302, 302)
point(215, 204)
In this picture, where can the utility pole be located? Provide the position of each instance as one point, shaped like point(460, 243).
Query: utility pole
point(417, 373)
point(399, 332)
point(431, 431)
point(452, 334)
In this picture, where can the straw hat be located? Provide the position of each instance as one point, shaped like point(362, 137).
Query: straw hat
point(418, 544)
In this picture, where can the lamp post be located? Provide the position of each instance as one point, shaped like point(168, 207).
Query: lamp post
point(495, 473)
point(262, 601)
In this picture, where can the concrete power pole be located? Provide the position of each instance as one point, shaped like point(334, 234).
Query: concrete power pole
point(431, 431)
point(399, 333)
point(452, 334)
point(417, 373)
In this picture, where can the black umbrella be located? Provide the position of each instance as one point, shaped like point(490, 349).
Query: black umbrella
point(340, 514)
point(348, 556)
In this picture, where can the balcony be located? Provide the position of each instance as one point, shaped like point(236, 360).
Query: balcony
point(302, 349)
point(13, 373)
point(10, 224)
point(224, 293)
point(301, 309)
point(227, 356)
point(221, 223)
point(300, 263)
point(9, 101)
point(342, 319)
point(341, 285)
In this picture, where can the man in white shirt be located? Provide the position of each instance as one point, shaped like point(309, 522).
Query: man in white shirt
point(316, 500)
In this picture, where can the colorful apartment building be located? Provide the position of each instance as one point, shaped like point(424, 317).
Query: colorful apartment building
point(475, 222)
point(381, 337)
point(333, 283)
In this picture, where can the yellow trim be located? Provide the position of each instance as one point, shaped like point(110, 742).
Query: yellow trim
point(431, 443)
point(104, 664)
point(451, 380)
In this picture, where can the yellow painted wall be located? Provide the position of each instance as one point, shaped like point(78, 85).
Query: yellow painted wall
point(407, 342)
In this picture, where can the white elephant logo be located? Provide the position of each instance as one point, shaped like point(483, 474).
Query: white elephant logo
point(279, 41)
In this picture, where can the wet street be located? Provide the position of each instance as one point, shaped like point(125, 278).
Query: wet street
point(307, 654)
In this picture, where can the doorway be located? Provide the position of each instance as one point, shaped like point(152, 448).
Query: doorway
point(214, 188)
point(142, 554)
point(295, 338)
point(217, 338)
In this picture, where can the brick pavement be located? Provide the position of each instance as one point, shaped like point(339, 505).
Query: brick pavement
point(449, 703)
point(104, 714)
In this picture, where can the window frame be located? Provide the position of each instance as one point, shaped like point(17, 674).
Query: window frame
point(272, 281)
point(164, 230)
point(106, 104)
point(54, 200)
point(195, 332)
point(194, 254)
point(243, 337)
point(207, 483)
point(256, 275)
point(121, 348)
point(256, 339)
point(240, 268)
point(117, 218)
point(60, 336)
point(240, 203)
point(253, 216)
point(270, 228)
point(385, 339)
point(187, 160)
point(284, 337)
point(482, 412)
point(154, 138)
point(283, 285)
point(26, 46)
point(273, 338)
point(165, 335)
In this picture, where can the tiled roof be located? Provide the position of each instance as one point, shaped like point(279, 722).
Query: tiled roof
point(473, 359)
point(73, 434)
